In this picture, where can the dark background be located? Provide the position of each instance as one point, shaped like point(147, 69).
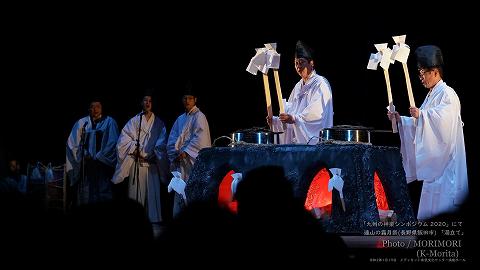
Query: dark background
point(56, 58)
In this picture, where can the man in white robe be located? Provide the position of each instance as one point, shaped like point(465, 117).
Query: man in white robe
point(15, 176)
point(310, 105)
point(145, 164)
point(432, 143)
point(190, 133)
point(91, 156)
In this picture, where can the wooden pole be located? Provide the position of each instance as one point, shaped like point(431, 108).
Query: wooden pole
point(279, 91)
point(279, 95)
point(409, 85)
point(390, 100)
point(267, 97)
point(343, 204)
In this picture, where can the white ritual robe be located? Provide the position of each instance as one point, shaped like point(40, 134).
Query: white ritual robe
point(311, 106)
point(190, 133)
point(100, 145)
point(433, 150)
point(152, 145)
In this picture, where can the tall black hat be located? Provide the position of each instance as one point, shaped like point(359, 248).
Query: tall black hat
point(149, 92)
point(303, 51)
point(429, 56)
point(189, 91)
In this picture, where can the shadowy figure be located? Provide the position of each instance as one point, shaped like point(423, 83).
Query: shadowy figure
point(202, 230)
point(110, 227)
point(273, 219)
point(15, 173)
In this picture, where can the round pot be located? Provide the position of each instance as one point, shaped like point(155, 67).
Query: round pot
point(346, 133)
point(255, 137)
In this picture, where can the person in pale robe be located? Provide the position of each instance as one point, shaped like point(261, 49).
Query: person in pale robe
point(144, 165)
point(190, 133)
point(15, 174)
point(310, 106)
point(432, 143)
point(91, 156)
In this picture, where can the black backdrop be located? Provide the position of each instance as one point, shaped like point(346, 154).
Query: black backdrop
point(55, 58)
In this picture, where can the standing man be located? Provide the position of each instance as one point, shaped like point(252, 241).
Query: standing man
point(310, 106)
point(91, 156)
point(142, 157)
point(190, 133)
point(432, 143)
point(15, 174)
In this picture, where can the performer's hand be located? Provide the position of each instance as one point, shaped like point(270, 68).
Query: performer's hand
point(286, 118)
point(414, 112)
point(174, 166)
point(181, 156)
point(269, 120)
point(135, 154)
point(391, 116)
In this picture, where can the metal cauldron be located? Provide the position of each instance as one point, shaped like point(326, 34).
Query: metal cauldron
point(346, 133)
point(255, 136)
